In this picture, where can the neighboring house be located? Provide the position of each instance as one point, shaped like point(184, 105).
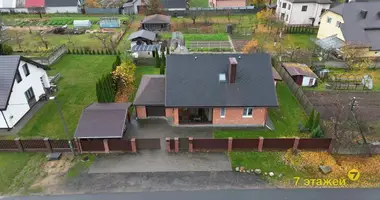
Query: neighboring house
point(217, 89)
point(356, 23)
point(145, 51)
point(156, 22)
point(301, 74)
point(40, 6)
point(22, 82)
point(131, 7)
point(301, 12)
point(173, 5)
point(142, 43)
point(226, 3)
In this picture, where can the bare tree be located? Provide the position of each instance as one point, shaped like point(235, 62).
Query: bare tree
point(153, 7)
point(193, 16)
point(70, 41)
point(42, 39)
point(206, 17)
point(4, 37)
point(228, 14)
point(19, 39)
point(353, 56)
point(103, 38)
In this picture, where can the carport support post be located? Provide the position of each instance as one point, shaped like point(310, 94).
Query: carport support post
point(47, 144)
point(19, 145)
point(229, 144)
point(106, 147)
point(176, 144)
point(79, 145)
point(261, 143)
point(191, 145)
point(167, 144)
point(133, 145)
point(295, 144)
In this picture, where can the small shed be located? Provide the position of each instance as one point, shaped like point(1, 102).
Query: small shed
point(82, 24)
point(276, 76)
point(103, 120)
point(142, 37)
point(146, 51)
point(156, 22)
point(301, 74)
point(109, 22)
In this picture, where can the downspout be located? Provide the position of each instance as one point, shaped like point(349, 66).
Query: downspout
point(5, 119)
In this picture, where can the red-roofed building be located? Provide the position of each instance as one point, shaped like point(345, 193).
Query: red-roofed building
point(34, 3)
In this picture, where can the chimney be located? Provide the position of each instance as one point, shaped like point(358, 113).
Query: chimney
point(363, 13)
point(232, 70)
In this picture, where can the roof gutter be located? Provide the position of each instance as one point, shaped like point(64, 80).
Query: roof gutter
point(5, 119)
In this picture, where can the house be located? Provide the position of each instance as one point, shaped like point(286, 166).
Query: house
point(22, 82)
point(103, 120)
point(145, 51)
point(142, 37)
point(356, 23)
point(59, 6)
point(226, 3)
point(174, 5)
point(131, 7)
point(301, 74)
point(156, 22)
point(217, 89)
point(301, 12)
point(39, 6)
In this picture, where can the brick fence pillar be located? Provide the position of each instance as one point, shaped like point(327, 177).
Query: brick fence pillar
point(106, 147)
point(229, 144)
point(48, 145)
point(296, 143)
point(191, 148)
point(176, 144)
point(133, 145)
point(79, 145)
point(19, 145)
point(261, 144)
point(167, 139)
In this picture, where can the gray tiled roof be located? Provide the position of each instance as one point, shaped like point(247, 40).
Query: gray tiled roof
point(312, 1)
point(60, 3)
point(143, 34)
point(193, 80)
point(103, 120)
point(355, 28)
point(8, 67)
point(151, 90)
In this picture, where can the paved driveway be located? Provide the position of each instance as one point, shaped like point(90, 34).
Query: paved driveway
point(159, 160)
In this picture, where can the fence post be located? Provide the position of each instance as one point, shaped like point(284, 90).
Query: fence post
point(176, 144)
point(47, 144)
point(106, 147)
point(191, 145)
point(261, 144)
point(79, 145)
point(331, 146)
point(133, 145)
point(230, 144)
point(167, 144)
point(19, 145)
point(295, 143)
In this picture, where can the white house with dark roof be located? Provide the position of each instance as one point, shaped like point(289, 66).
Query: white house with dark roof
point(22, 82)
point(48, 6)
point(301, 12)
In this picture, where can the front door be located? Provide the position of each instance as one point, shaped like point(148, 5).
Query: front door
point(30, 97)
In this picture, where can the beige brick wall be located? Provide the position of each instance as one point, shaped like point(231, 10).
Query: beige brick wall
point(230, 3)
point(140, 112)
point(235, 116)
point(169, 112)
point(175, 116)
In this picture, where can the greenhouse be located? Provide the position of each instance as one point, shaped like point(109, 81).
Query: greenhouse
point(109, 22)
point(82, 24)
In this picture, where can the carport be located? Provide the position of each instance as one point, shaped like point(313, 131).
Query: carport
point(150, 97)
point(101, 121)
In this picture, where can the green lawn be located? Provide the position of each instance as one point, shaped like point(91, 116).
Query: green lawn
point(18, 171)
point(199, 3)
point(81, 166)
point(299, 40)
point(76, 91)
point(286, 119)
point(199, 37)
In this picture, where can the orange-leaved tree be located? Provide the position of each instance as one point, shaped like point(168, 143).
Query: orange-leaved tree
point(251, 46)
point(93, 4)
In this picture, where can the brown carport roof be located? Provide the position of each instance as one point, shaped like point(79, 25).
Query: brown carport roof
point(299, 69)
point(151, 91)
point(103, 120)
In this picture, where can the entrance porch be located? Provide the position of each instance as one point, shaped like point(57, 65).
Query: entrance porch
point(195, 115)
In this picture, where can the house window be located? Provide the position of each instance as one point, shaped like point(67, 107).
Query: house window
point(26, 70)
point(283, 5)
point(29, 94)
point(282, 16)
point(338, 24)
point(222, 112)
point(18, 77)
point(286, 18)
point(304, 8)
point(247, 112)
point(289, 6)
point(329, 19)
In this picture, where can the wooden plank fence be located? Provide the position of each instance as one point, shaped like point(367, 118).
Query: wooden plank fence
point(36, 145)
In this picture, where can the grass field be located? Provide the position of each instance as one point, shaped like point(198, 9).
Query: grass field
point(199, 3)
point(76, 91)
point(200, 37)
point(18, 171)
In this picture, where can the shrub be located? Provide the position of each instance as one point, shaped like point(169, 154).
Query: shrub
point(93, 52)
point(7, 49)
point(316, 121)
point(317, 132)
point(118, 60)
point(158, 62)
point(118, 52)
point(310, 121)
point(81, 51)
point(102, 52)
point(68, 51)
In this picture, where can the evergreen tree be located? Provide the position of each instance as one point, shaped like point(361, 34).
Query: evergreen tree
point(105, 89)
point(310, 121)
point(158, 62)
point(118, 60)
point(167, 51)
point(316, 121)
point(68, 51)
point(81, 51)
point(163, 63)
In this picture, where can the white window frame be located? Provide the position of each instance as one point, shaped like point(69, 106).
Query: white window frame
point(222, 112)
point(246, 111)
point(303, 6)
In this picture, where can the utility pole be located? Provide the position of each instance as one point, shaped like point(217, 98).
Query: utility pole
point(353, 105)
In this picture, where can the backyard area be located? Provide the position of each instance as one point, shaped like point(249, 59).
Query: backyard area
point(198, 3)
